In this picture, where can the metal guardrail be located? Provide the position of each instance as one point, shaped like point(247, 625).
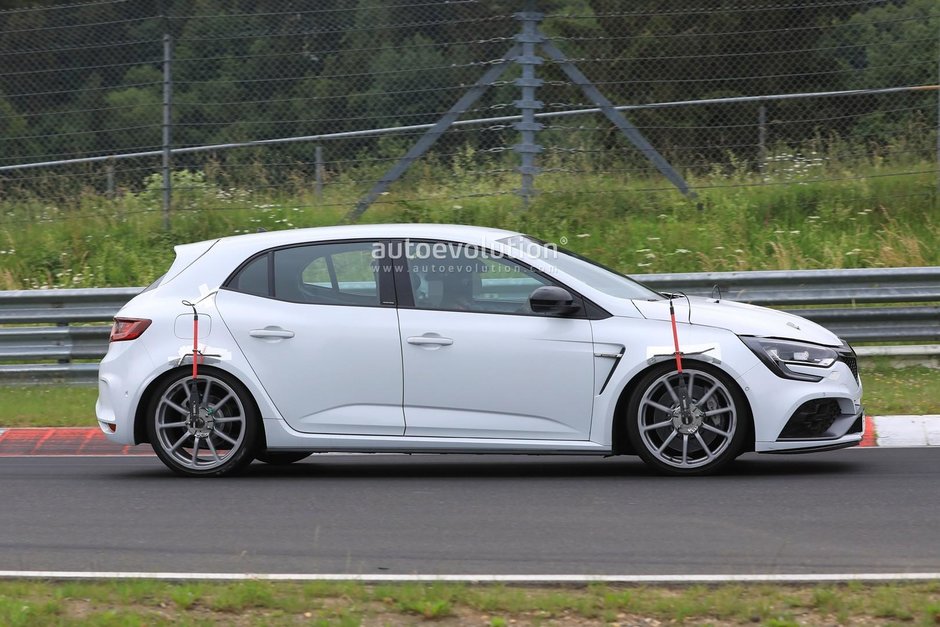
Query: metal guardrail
point(809, 287)
point(896, 290)
point(894, 308)
point(49, 353)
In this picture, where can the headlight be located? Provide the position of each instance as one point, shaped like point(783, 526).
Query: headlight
point(778, 355)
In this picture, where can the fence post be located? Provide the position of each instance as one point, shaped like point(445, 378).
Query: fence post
point(318, 172)
point(527, 148)
point(167, 126)
point(762, 137)
point(109, 174)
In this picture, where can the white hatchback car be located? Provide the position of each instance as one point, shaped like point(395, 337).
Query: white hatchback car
point(447, 339)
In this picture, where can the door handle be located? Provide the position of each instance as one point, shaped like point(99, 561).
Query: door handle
point(430, 340)
point(269, 333)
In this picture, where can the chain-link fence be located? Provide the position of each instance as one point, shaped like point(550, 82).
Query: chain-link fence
point(312, 104)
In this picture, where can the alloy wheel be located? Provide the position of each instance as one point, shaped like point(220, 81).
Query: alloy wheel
point(692, 439)
point(207, 440)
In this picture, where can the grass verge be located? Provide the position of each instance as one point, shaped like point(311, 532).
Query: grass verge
point(888, 390)
point(344, 603)
point(48, 406)
point(891, 390)
point(870, 216)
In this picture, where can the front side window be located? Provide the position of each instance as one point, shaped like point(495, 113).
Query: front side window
point(583, 269)
point(455, 277)
point(342, 273)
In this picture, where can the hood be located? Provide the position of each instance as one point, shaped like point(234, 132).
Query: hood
point(740, 319)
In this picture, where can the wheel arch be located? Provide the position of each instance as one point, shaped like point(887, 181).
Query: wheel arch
point(620, 442)
point(140, 414)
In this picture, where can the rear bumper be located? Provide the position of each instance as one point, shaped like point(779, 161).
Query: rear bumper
point(119, 375)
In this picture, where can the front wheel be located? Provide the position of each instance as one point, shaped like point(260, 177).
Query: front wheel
point(711, 433)
point(218, 440)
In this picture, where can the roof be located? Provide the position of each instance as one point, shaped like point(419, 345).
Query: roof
point(454, 232)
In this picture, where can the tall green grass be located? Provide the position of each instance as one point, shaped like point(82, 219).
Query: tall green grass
point(797, 213)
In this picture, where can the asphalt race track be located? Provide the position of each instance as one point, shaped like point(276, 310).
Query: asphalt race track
point(851, 511)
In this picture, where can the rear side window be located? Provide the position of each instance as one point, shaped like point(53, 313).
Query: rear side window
point(343, 273)
point(327, 274)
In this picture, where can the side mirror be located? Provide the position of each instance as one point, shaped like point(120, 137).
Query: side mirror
point(551, 299)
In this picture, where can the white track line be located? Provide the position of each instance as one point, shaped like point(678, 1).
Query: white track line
point(795, 578)
point(907, 431)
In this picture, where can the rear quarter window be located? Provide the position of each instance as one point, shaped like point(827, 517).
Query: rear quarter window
point(253, 278)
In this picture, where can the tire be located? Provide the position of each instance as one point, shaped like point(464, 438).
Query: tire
point(713, 436)
point(222, 443)
point(276, 458)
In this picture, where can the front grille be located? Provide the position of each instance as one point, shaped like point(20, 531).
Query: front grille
point(811, 420)
point(850, 361)
point(847, 356)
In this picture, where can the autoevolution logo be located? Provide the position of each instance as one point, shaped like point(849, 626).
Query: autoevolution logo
point(447, 251)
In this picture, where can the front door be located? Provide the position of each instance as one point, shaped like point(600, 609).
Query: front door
point(479, 363)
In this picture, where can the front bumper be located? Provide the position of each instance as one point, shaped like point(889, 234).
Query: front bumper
point(822, 419)
point(843, 431)
point(794, 415)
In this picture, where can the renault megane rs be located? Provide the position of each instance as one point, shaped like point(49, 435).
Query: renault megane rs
point(447, 339)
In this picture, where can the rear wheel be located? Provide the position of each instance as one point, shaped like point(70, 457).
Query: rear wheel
point(276, 458)
point(218, 440)
point(699, 441)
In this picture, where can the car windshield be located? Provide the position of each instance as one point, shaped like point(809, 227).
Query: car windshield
point(590, 272)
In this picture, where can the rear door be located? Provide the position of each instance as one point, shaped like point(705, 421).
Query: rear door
point(319, 327)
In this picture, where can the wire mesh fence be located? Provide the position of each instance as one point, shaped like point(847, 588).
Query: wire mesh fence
point(203, 105)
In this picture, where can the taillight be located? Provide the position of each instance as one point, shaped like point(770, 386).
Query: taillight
point(128, 328)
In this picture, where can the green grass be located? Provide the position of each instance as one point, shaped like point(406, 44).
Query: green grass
point(345, 603)
point(48, 406)
point(830, 220)
point(888, 390)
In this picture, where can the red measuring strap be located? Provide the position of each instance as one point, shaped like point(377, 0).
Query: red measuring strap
point(195, 344)
point(675, 337)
